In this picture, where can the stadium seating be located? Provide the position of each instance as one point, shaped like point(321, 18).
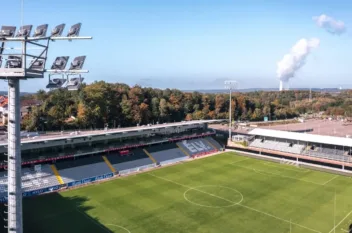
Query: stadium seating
point(31, 179)
point(137, 158)
point(81, 172)
point(171, 154)
point(214, 143)
point(278, 146)
point(314, 151)
point(328, 153)
point(82, 169)
point(79, 162)
point(161, 147)
point(195, 146)
point(3, 185)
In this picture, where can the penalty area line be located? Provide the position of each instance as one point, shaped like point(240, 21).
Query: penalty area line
point(299, 170)
point(275, 174)
point(244, 206)
point(340, 222)
point(241, 160)
point(273, 216)
point(333, 178)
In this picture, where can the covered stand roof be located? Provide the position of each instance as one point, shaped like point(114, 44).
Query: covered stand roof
point(305, 137)
point(50, 137)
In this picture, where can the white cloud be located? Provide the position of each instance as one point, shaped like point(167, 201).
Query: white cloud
point(293, 61)
point(330, 24)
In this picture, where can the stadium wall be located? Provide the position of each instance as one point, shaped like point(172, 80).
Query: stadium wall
point(324, 167)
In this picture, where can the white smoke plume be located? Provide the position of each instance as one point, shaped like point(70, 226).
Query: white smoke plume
point(330, 24)
point(293, 61)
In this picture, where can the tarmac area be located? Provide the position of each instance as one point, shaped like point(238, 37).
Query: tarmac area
point(320, 127)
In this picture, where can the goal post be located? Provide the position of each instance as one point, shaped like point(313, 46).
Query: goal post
point(289, 162)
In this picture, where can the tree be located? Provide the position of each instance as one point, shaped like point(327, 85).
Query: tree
point(155, 108)
point(163, 109)
point(219, 103)
point(189, 117)
point(145, 114)
point(101, 103)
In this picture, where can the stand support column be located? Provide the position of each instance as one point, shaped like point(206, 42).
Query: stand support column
point(14, 159)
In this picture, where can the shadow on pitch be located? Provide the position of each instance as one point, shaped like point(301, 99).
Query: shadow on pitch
point(57, 214)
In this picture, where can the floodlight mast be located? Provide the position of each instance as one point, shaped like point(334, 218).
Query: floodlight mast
point(13, 75)
point(230, 85)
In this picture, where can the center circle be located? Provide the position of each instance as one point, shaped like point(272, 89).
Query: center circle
point(213, 196)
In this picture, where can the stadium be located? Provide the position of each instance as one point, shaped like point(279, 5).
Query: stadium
point(134, 154)
point(184, 177)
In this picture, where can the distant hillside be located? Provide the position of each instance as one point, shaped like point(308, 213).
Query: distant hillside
point(214, 91)
point(22, 93)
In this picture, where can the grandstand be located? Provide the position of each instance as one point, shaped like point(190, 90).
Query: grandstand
point(314, 148)
point(50, 168)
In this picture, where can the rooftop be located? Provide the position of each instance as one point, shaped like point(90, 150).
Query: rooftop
point(92, 133)
point(305, 137)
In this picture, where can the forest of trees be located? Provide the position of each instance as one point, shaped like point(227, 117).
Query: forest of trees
point(115, 104)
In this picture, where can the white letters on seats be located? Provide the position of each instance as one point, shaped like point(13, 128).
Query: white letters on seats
point(197, 146)
point(190, 147)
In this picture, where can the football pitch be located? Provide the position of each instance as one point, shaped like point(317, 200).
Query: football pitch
point(222, 193)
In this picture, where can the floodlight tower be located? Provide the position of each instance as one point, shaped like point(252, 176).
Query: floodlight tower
point(16, 68)
point(230, 85)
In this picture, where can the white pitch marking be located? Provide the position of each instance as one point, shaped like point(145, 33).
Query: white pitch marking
point(90, 219)
point(331, 179)
point(213, 195)
point(171, 181)
point(123, 228)
point(282, 167)
point(273, 216)
point(250, 208)
point(241, 160)
point(275, 174)
point(190, 188)
point(340, 222)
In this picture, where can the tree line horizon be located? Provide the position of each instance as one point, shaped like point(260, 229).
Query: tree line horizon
point(103, 104)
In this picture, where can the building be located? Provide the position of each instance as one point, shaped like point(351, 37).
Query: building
point(26, 106)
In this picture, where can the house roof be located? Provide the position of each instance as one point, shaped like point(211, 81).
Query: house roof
point(305, 137)
point(3, 102)
point(30, 102)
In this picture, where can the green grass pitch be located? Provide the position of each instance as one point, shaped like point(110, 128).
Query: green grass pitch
point(222, 193)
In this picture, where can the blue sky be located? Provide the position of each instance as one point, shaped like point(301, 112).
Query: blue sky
point(194, 44)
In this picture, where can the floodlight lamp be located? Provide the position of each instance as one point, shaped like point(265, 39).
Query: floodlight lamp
point(231, 84)
point(24, 31)
point(57, 31)
point(56, 83)
point(41, 30)
point(60, 63)
point(37, 64)
point(77, 63)
point(74, 83)
point(14, 62)
point(74, 30)
point(7, 31)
